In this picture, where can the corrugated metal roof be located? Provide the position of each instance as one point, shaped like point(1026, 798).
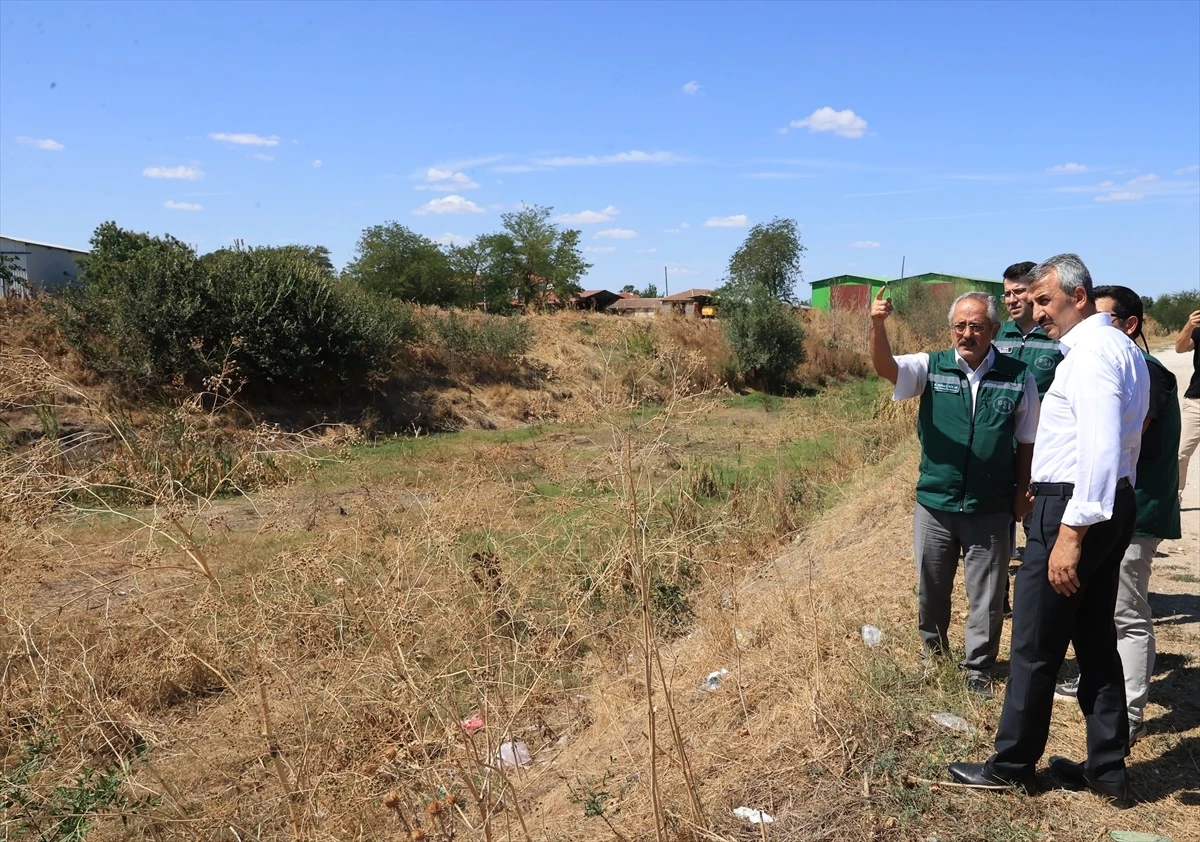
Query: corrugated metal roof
point(849, 278)
point(43, 245)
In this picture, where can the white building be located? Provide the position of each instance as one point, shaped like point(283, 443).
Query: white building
point(39, 267)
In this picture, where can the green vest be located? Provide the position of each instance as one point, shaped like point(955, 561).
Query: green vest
point(1157, 486)
point(1037, 350)
point(968, 462)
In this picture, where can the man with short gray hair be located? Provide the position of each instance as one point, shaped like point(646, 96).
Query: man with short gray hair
point(1084, 469)
point(977, 420)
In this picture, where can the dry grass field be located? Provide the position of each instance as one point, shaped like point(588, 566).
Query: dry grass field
point(221, 632)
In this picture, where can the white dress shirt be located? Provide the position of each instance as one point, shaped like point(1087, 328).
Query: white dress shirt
point(914, 372)
point(1090, 431)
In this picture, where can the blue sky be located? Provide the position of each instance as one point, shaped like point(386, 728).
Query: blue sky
point(961, 137)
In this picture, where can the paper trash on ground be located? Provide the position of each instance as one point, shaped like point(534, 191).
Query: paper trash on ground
point(753, 816)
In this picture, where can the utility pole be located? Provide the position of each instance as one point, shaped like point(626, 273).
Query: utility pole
point(666, 284)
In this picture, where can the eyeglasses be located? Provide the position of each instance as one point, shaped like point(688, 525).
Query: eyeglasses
point(969, 327)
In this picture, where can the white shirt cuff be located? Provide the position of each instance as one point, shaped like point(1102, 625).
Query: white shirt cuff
point(1085, 513)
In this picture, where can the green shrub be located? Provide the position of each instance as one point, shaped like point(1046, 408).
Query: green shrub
point(487, 338)
point(150, 312)
point(765, 334)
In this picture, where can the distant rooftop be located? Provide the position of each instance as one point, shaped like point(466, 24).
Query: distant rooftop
point(689, 294)
point(43, 245)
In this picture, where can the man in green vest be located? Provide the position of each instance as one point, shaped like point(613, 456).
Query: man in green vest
point(977, 420)
point(1020, 336)
point(1156, 490)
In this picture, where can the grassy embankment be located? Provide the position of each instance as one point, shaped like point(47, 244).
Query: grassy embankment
point(295, 663)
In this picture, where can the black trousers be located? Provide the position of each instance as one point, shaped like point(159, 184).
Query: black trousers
point(1044, 622)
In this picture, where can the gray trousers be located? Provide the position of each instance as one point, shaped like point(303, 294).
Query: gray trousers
point(982, 540)
point(1135, 628)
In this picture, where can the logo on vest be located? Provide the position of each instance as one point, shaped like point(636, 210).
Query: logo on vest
point(1044, 363)
point(1005, 406)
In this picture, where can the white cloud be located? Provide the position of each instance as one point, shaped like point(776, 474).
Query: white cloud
point(449, 239)
point(616, 234)
point(318, 163)
point(259, 156)
point(438, 179)
point(588, 217)
point(1108, 184)
point(182, 173)
point(1119, 197)
point(41, 143)
point(183, 206)
point(778, 176)
point(842, 123)
point(468, 163)
point(738, 220)
point(692, 88)
point(1186, 170)
point(1148, 178)
point(448, 204)
point(1069, 168)
point(632, 157)
point(514, 168)
point(672, 230)
point(684, 225)
point(600, 249)
point(864, 244)
point(646, 251)
point(680, 270)
point(245, 139)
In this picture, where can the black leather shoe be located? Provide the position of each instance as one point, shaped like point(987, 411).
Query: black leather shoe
point(983, 776)
point(1074, 776)
point(979, 686)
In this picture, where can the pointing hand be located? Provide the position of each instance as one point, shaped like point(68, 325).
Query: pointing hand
point(880, 308)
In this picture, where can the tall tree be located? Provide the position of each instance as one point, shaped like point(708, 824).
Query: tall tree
point(485, 271)
point(769, 257)
point(756, 304)
point(394, 261)
point(546, 257)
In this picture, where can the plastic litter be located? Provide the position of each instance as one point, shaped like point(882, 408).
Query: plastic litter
point(713, 682)
point(1135, 836)
point(953, 721)
point(744, 638)
point(515, 754)
point(472, 723)
point(872, 635)
point(753, 816)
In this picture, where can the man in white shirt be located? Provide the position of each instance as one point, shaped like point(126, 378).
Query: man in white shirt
point(1088, 441)
point(976, 424)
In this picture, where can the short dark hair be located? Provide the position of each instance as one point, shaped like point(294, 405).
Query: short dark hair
point(1018, 271)
point(1126, 303)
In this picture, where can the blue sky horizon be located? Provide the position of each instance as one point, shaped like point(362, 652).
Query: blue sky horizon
point(956, 138)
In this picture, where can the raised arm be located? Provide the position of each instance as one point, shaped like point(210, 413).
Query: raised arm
point(877, 339)
point(1184, 342)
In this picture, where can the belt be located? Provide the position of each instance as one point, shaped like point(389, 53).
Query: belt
point(1063, 489)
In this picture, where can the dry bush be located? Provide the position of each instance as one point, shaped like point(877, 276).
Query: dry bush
point(835, 346)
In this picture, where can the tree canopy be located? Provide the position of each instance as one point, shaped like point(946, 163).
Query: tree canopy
point(528, 257)
point(769, 257)
point(394, 261)
point(756, 304)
